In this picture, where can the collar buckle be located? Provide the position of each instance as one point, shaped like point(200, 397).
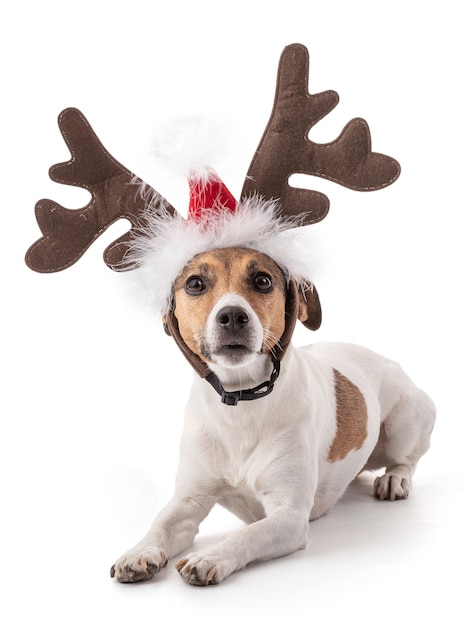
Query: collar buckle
point(231, 398)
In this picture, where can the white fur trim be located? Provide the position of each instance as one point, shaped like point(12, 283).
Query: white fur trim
point(168, 242)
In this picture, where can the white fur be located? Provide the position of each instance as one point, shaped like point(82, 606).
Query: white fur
point(166, 243)
point(266, 460)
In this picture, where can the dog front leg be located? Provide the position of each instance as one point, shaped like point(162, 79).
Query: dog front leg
point(172, 531)
point(284, 531)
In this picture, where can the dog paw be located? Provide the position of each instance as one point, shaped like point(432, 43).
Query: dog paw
point(391, 487)
point(138, 565)
point(200, 570)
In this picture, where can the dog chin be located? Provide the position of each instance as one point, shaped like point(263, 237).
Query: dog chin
point(233, 356)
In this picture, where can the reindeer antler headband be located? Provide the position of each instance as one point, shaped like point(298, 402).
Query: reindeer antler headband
point(284, 149)
point(160, 238)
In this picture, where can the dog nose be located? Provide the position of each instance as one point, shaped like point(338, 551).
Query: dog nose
point(232, 318)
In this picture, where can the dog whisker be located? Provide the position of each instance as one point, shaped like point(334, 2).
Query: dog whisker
point(271, 342)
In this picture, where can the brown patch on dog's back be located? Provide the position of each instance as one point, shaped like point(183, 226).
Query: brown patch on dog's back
point(351, 418)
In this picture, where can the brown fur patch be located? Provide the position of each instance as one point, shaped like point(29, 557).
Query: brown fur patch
point(351, 418)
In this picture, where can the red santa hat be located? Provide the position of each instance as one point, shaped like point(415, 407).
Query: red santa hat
point(208, 193)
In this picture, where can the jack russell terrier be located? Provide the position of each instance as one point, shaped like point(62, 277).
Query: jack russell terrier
point(282, 460)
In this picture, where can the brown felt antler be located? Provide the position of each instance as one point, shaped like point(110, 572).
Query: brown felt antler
point(115, 194)
point(285, 148)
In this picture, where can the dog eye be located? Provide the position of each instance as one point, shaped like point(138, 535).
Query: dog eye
point(263, 282)
point(195, 285)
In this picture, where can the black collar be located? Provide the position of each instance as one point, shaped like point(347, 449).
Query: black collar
point(231, 398)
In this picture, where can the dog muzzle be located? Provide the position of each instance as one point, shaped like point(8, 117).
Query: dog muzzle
point(231, 398)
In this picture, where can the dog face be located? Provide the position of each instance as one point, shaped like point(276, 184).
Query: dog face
point(230, 305)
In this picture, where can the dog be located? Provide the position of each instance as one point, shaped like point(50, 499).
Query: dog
point(284, 458)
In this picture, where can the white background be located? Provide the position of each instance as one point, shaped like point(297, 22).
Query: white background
point(93, 390)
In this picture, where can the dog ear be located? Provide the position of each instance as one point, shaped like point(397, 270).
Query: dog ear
point(165, 325)
point(170, 326)
point(302, 303)
point(310, 311)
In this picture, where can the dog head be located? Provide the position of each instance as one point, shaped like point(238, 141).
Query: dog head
point(233, 304)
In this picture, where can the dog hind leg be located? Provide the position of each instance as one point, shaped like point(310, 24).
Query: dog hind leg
point(405, 437)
